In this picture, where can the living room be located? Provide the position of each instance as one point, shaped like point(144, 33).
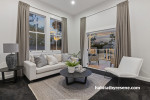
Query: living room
point(66, 49)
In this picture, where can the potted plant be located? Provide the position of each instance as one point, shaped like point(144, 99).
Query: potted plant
point(71, 66)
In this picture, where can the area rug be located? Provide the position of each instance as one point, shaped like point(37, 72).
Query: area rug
point(55, 88)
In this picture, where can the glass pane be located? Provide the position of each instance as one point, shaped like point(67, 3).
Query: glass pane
point(32, 41)
point(59, 28)
point(53, 26)
point(40, 23)
point(40, 41)
point(103, 41)
point(59, 41)
point(32, 22)
point(53, 42)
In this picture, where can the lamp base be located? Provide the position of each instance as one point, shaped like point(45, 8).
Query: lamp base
point(11, 61)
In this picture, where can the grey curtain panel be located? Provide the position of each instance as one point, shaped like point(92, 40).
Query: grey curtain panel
point(123, 35)
point(64, 36)
point(82, 36)
point(23, 32)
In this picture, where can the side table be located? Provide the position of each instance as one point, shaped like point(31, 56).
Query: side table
point(3, 70)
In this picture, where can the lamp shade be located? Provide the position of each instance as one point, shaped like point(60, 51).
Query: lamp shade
point(10, 47)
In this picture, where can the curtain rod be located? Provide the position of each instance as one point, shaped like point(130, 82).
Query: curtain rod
point(100, 11)
point(104, 10)
point(45, 11)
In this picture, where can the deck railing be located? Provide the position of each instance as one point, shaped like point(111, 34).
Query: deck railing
point(104, 54)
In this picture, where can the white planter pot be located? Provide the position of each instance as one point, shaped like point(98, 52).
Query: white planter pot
point(71, 69)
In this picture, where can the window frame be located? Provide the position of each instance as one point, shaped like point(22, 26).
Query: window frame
point(35, 32)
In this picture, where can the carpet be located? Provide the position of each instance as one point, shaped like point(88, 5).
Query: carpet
point(55, 88)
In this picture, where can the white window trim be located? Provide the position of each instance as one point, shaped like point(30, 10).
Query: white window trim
point(46, 32)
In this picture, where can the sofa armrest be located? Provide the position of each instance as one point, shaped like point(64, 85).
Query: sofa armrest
point(30, 70)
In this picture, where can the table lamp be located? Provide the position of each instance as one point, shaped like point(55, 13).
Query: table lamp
point(11, 59)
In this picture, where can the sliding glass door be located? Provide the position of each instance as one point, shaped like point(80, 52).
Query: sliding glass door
point(101, 49)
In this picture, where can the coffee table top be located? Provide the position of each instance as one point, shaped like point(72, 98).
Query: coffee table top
point(8, 70)
point(64, 72)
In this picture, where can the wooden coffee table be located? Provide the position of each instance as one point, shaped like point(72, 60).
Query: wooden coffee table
point(75, 76)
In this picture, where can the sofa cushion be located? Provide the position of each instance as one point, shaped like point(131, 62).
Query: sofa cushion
point(50, 67)
point(40, 61)
point(65, 57)
point(59, 57)
point(52, 60)
point(31, 58)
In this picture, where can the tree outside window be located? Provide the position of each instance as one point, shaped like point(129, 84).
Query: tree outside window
point(36, 32)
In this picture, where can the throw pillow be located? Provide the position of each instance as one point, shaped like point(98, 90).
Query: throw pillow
point(59, 57)
point(40, 61)
point(52, 60)
point(31, 58)
point(65, 57)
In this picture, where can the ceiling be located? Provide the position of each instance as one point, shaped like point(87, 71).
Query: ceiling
point(80, 6)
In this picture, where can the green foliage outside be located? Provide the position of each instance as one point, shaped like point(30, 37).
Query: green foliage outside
point(99, 46)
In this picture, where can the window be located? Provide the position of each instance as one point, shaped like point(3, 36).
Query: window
point(55, 34)
point(36, 32)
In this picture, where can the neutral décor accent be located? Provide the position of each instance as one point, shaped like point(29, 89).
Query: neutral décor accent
point(82, 36)
point(59, 57)
point(129, 67)
point(123, 35)
point(55, 88)
point(52, 60)
point(11, 59)
point(23, 32)
point(64, 36)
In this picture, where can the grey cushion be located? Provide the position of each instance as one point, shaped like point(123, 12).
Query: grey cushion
point(40, 61)
point(65, 57)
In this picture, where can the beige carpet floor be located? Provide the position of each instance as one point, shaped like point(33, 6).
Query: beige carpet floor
point(55, 88)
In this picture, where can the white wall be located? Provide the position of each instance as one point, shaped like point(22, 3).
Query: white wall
point(8, 22)
point(140, 31)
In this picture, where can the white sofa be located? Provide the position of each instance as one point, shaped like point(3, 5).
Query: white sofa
point(32, 72)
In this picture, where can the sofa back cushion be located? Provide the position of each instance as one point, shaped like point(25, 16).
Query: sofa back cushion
point(40, 61)
point(59, 57)
point(52, 60)
point(65, 57)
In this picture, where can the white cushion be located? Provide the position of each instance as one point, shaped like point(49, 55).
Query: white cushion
point(130, 65)
point(52, 60)
point(31, 58)
point(59, 57)
point(50, 68)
